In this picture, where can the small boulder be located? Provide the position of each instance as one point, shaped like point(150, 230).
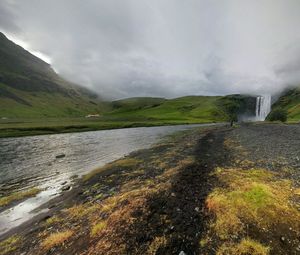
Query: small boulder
point(60, 155)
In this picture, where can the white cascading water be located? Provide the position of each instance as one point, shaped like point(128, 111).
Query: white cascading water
point(263, 107)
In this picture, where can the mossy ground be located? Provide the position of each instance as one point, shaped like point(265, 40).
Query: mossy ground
point(254, 198)
point(9, 245)
point(255, 203)
point(246, 246)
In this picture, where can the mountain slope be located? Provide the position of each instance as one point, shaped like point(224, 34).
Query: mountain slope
point(290, 101)
point(30, 88)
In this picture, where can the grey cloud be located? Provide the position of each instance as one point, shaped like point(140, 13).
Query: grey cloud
point(169, 48)
point(7, 18)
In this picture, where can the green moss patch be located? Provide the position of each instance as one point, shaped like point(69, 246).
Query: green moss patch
point(256, 198)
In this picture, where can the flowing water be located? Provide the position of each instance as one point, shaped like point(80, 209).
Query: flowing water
point(32, 162)
point(263, 107)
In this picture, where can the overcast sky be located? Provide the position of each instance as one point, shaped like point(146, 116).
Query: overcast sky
point(170, 48)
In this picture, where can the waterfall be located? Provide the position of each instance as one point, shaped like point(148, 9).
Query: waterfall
point(263, 107)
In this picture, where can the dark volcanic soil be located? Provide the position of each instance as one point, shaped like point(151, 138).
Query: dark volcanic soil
point(272, 146)
point(160, 206)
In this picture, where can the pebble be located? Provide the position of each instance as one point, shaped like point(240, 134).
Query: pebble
point(182, 253)
point(66, 188)
point(60, 156)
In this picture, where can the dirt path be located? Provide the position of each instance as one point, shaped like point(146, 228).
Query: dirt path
point(181, 205)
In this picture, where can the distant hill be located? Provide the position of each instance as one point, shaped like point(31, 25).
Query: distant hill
point(290, 101)
point(29, 87)
point(189, 109)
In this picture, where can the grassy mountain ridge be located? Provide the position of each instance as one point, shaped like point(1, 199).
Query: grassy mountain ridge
point(190, 109)
point(29, 87)
point(289, 101)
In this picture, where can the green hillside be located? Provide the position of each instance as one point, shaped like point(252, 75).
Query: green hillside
point(35, 100)
point(133, 112)
point(290, 101)
point(30, 88)
point(189, 109)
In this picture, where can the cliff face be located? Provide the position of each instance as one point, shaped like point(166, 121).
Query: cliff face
point(237, 107)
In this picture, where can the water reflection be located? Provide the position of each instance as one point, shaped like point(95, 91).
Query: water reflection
point(31, 161)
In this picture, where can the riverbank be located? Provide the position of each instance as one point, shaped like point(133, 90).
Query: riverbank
point(29, 127)
point(204, 191)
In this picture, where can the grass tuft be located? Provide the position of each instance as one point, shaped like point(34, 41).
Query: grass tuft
point(98, 227)
point(53, 220)
point(156, 244)
point(82, 210)
point(245, 247)
point(18, 196)
point(9, 245)
point(126, 162)
point(56, 239)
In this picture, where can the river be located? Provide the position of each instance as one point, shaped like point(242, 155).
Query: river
point(33, 161)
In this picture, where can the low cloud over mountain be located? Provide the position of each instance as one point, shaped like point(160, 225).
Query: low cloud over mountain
point(123, 48)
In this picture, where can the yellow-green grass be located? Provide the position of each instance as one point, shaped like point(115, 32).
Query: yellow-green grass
point(126, 162)
point(245, 247)
point(18, 196)
point(157, 243)
point(81, 210)
point(251, 197)
point(56, 239)
point(98, 227)
point(53, 220)
point(9, 245)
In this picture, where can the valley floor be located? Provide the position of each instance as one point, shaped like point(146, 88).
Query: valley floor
point(215, 190)
point(36, 126)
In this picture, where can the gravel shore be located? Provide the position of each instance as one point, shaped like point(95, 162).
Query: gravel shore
point(272, 146)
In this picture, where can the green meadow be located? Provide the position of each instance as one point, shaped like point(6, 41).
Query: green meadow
point(133, 112)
